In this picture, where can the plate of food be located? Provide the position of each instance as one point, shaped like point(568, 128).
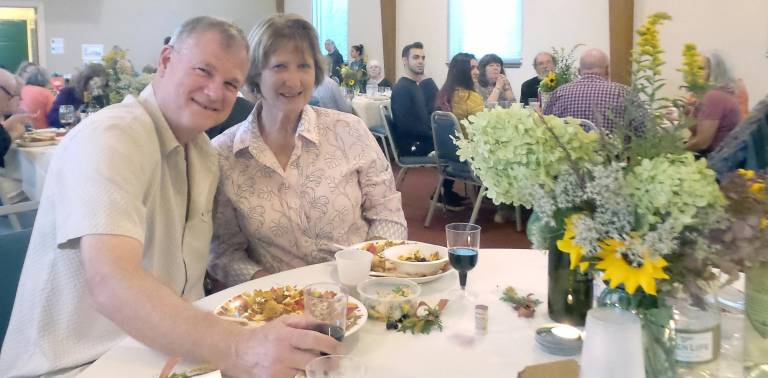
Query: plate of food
point(37, 139)
point(382, 267)
point(256, 307)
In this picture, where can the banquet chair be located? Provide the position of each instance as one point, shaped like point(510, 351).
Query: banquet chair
point(18, 216)
point(11, 261)
point(380, 133)
point(445, 127)
point(404, 162)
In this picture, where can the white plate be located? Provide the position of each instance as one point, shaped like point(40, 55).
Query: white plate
point(394, 274)
point(44, 143)
point(360, 311)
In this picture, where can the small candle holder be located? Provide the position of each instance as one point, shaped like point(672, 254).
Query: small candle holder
point(559, 339)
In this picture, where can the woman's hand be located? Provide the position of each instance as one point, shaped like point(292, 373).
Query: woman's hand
point(501, 82)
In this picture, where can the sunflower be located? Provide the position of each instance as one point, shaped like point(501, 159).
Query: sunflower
point(351, 82)
point(619, 271)
point(567, 244)
point(551, 79)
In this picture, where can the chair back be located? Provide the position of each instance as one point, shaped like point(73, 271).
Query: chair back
point(386, 116)
point(587, 125)
point(12, 257)
point(18, 216)
point(746, 146)
point(445, 128)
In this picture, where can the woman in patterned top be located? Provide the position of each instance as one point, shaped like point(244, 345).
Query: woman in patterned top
point(296, 180)
point(492, 84)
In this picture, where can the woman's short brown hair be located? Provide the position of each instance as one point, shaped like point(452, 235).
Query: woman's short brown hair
point(278, 31)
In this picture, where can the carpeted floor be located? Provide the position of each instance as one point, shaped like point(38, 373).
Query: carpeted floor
point(416, 190)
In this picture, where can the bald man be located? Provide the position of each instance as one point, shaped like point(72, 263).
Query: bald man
point(11, 125)
point(594, 97)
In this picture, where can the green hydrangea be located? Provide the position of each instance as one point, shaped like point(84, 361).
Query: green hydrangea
point(512, 150)
point(675, 188)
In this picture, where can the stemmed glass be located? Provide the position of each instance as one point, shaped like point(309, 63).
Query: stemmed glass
point(463, 242)
point(67, 115)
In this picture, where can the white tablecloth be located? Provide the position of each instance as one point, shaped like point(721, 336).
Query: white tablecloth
point(29, 165)
point(456, 352)
point(368, 109)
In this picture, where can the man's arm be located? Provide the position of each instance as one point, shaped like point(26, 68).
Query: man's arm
point(151, 313)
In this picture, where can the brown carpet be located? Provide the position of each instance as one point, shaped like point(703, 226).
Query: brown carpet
point(416, 190)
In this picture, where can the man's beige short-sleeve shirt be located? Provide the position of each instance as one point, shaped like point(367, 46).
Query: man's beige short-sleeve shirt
point(121, 172)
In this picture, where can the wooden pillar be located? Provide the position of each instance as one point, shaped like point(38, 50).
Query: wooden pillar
point(389, 38)
point(280, 6)
point(621, 14)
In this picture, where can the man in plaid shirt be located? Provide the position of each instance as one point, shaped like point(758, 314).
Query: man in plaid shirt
point(593, 96)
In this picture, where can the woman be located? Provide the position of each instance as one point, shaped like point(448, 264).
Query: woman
point(492, 83)
point(718, 112)
point(93, 79)
point(356, 58)
point(36, 98)
point(296, 181)
point(458, 94)
point(376, 74)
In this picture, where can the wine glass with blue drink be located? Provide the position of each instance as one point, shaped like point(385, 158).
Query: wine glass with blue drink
point(463, 242)
point(327, 302)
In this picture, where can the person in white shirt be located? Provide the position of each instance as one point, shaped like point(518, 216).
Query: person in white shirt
point(121, 241)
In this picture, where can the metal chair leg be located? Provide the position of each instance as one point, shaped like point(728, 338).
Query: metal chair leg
point(478, 202)
point(433, 201)
point(383, 140)
point(518, 218)
point(400, 176)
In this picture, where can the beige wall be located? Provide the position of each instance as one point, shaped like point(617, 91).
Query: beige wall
point(558, 23)
point(138, 25)
point(737, 28)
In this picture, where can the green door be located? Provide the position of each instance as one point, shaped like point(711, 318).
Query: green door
point(13, 43)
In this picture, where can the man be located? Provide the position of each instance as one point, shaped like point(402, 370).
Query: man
point(121, 241)
point(594, 97)
point(11, 126)
point(543, 63)
point(413, 101)
point(335, 60)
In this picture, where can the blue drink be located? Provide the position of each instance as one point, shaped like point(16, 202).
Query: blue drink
point(462, 259)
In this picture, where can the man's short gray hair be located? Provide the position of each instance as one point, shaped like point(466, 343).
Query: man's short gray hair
point(230, 34)
point(278, 31)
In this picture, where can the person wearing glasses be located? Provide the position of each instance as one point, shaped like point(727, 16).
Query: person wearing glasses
point(11, 122)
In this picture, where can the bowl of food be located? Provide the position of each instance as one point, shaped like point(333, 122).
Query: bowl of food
point(417, 260)
point(389, 298)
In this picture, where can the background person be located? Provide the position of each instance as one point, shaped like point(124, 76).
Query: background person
point(93, 78)
point(493, 84)
point(543, 63)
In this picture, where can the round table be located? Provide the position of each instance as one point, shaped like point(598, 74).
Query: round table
point(29, 165)
point(457, 351)
point(367, 108)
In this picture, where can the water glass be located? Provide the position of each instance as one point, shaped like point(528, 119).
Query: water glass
point(67, 115)
point(534, 104)
point(607, 330)
point(505, 104)
point(463, 242)
point(371, 89)
point(353, 265)
point(327, 302)
point(336, 366)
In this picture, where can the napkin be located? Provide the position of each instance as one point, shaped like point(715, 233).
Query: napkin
point(560, 369)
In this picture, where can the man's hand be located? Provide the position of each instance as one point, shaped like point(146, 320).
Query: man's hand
point(280, 348)
point(14, 125)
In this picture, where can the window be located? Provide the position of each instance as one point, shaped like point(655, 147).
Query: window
point(496, 27)
point(331, 20)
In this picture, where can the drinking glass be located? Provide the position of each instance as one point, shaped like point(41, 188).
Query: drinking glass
point(607, 330)
point(505, 104)
point(67, 115)
point(335, 366)
point(353, 265)
point(327, 302)
point(463, 242)
point(534, 103)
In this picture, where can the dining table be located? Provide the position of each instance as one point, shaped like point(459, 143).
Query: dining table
point(29, 165)
point(367, 108)
point(458, 350)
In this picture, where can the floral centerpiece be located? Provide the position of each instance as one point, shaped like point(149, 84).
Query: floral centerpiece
point(634, 207)
point(353, 79)
point(122, 78)
point(564, 70)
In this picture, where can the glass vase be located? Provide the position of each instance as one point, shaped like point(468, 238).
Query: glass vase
point(658, 328)
point(569, 291)
point(756, 324)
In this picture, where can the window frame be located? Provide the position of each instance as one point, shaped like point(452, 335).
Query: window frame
point(508, 63)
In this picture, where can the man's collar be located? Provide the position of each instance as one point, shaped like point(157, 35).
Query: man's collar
point(592, 77)
point(148, 100)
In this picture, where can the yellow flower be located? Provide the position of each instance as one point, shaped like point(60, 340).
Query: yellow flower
point(351, 82)
point(567, 245)
point(551, 79)
point(619, 271)
point(746, 173)
point(693, 73)
point(763, 223)
point(758, 189)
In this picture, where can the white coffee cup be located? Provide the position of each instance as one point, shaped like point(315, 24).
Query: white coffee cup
point(353, 265)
